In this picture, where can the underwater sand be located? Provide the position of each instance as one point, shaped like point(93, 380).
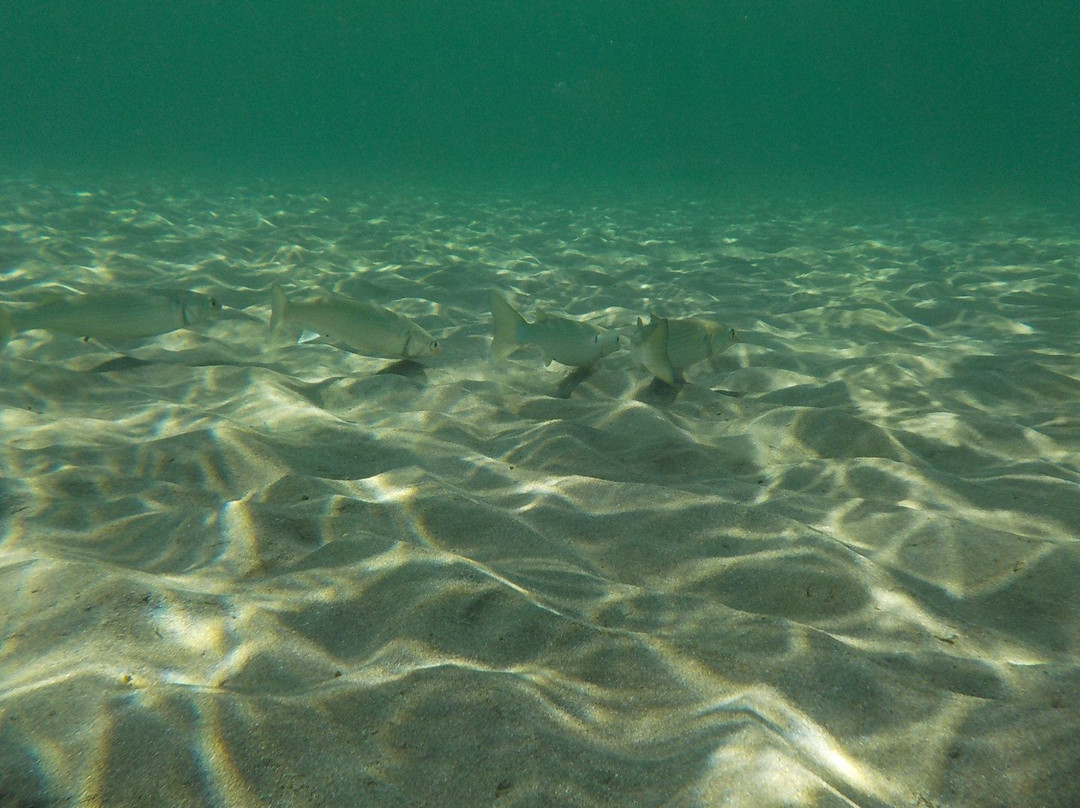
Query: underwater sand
point(842, 568)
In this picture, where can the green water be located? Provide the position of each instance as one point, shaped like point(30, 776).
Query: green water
point(917, 95)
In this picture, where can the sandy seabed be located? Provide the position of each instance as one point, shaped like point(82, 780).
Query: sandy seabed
point(842, 568)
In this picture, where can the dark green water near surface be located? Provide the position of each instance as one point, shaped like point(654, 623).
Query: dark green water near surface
point(924, 96)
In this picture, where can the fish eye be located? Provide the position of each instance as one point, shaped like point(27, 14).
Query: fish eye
point(434, 346)
point(215, 304)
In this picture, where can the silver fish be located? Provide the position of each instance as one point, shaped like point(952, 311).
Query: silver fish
point(665, 347)
point(370, 330)
point(568, 342)
point(111, 315)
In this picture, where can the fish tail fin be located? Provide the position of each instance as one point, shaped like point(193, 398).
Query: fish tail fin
point(7, 327)
point(652, 350)
point(279, 307)
point(507, 322)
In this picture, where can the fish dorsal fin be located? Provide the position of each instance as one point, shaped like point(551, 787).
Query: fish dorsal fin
point(508, 323)
point(658, 330)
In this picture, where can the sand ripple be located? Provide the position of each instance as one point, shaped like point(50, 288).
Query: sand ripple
point(842, 569)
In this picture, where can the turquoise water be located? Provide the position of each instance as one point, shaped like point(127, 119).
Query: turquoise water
point(778, 93)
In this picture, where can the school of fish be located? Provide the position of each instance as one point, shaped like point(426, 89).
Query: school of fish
point(664, 347)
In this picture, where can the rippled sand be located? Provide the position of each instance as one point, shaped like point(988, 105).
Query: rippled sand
point(843, 569)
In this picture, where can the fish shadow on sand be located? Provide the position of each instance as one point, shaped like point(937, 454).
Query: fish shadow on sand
point(327, 393)
point(120, 363)
point(128, 362)
point(572, 380)
point(407, 368)
point(659, 393)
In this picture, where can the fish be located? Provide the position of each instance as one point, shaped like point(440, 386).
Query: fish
point(366, 328)
point(568, 342)
point(666, 346)
point(107, 316)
